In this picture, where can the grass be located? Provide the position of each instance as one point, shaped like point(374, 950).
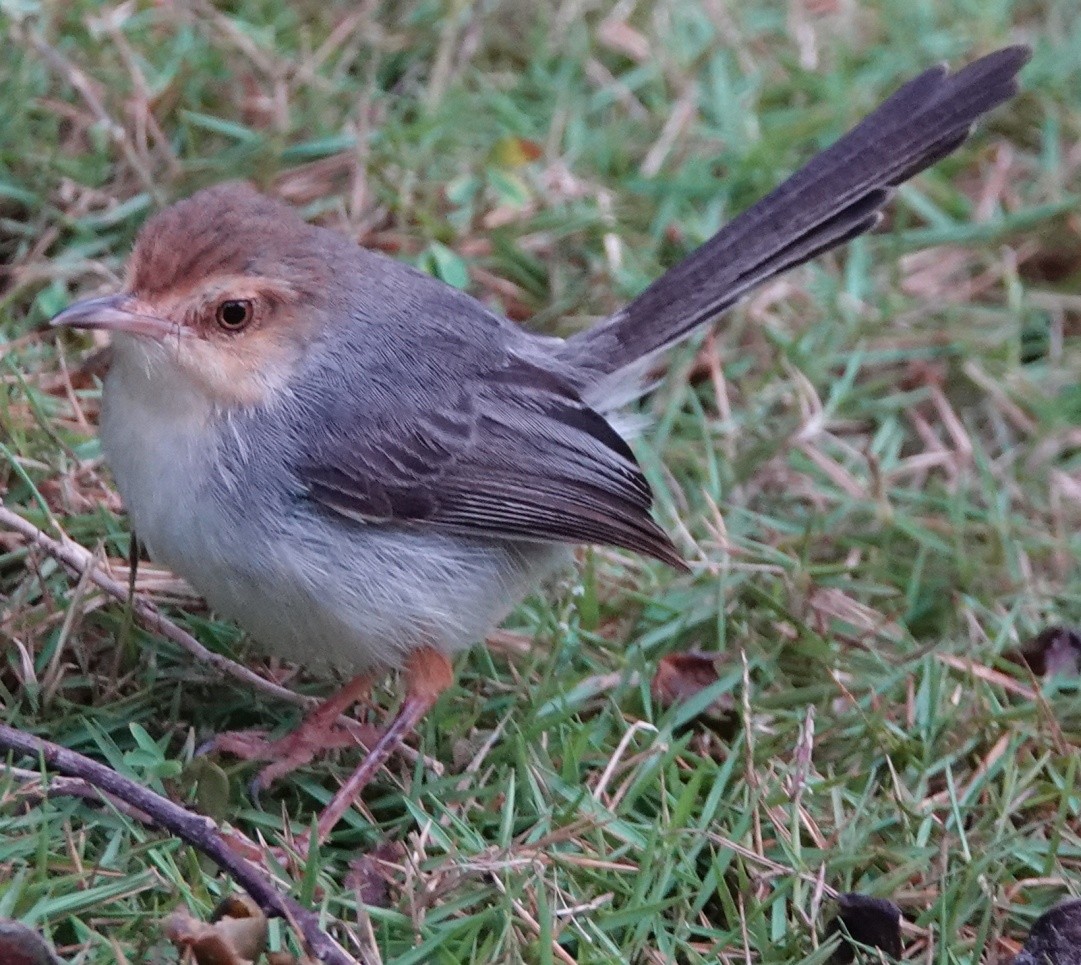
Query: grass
point(873, 466)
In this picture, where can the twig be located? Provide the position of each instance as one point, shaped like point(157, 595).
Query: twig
point(198, 831)
point(38, 788)
point(34, 791)
point(86, 89)
point(80, 561)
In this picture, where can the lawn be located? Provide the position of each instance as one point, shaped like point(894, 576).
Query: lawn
point(873, 466)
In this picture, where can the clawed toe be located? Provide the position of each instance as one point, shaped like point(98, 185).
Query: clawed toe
point(428, 674)
point(287, 754)
point(248, 745)
point(321, 730)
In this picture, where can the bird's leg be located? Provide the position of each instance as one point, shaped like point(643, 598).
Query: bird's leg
point(427, 674)
point(319, 731)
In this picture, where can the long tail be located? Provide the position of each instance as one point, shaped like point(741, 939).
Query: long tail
point(838, 195)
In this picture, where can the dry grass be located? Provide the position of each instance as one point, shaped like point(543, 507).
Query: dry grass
point(873, 467)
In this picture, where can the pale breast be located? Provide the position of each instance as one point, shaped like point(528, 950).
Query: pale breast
point(154, 434)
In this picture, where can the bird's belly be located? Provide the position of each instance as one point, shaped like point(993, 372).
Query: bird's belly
point(352, 598)
point(330, 594)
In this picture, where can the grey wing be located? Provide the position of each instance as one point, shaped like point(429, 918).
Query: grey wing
point(509, 451)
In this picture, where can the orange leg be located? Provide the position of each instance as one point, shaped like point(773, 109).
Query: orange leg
point(318, 732)
point(427, 674)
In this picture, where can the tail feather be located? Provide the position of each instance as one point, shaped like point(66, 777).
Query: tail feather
point(838, 195)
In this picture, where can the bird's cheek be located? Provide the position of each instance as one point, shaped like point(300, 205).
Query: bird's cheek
point(238, 376)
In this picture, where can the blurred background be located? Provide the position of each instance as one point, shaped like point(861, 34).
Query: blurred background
point(873, 465)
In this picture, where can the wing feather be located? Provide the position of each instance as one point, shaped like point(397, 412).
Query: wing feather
point(507, 450)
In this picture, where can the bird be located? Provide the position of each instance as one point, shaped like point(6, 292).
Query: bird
point(367, 469)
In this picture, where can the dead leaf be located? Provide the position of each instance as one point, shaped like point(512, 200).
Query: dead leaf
point(1052, 652)
point(237, 906)
point(680, 676)
point(1055, 938)
point(211, 787)
point(20, 945)
point(871, 922)
point(372, 874)
point(513, 152)
point(236, 934)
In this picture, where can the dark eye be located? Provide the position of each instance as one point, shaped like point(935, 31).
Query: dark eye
point(234, 314)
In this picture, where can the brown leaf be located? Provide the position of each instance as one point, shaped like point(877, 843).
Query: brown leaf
point(679, 676)
point(872, 922)
point(237, 906)
point(682, 675)
point(513, 152)
point(921, 373)
point(236, 935)
point(20, 945)
point(1053, 651)
point(1058, 259)
point(372, 874)
point(1055, 938)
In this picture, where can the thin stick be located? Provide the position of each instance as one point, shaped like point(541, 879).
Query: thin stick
point(80, 560)
point(411, 714)
point(198, 831)
point(35, 790)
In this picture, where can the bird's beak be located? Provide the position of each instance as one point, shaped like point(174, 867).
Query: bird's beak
point(113, 313)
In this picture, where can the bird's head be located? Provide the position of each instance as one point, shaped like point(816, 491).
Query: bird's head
point(223, 290)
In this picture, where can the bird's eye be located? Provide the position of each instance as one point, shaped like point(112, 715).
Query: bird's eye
point(234, 314)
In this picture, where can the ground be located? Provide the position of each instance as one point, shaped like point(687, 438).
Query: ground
point(873, 467)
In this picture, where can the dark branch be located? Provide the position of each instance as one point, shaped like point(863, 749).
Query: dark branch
point(198, 831)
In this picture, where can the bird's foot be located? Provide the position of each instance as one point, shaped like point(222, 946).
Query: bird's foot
point(293, 751)
point(427, 674)
point(324, 729)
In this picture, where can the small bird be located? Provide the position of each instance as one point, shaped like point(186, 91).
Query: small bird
point(367, 468)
